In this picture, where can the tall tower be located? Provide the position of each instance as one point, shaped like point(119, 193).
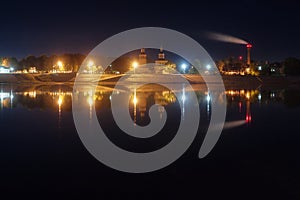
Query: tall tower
point(142, 57)
point(161, 58)
point(249, 46)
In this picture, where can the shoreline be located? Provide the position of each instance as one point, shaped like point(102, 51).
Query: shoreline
point(230, 81)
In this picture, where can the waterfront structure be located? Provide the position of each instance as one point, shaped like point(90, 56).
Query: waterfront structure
point(4, 69)
point(142, 57)
point(248, 46)
point(161, 58)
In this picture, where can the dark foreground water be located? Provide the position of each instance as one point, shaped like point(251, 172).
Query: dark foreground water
point(42, 155)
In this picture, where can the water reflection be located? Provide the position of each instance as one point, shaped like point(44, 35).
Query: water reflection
point(183, 98)
point(6, 99)
point(134, 106)
point(208, 99)
point(59, 99)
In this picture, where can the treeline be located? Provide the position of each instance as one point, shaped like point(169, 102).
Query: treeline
point(70, 62)
point(290, 66)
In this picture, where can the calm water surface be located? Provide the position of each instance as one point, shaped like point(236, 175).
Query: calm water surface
point(41, 152)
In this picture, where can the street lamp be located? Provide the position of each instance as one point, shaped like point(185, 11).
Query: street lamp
point(90, 66)
point(90, 63)
point(183, 66)
point(60, 65)
point(135, 65)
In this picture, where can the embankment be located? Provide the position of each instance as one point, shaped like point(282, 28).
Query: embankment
point(230, 82)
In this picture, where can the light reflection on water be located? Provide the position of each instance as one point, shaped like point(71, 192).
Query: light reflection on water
point(59, 98)
point(39, 141)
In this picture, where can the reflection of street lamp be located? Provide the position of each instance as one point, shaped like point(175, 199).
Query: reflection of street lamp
point(90, 101)
point(134, 101)
point(208, 99)
point(59, 102)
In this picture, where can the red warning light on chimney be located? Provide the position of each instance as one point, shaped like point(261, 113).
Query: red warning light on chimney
point(249, 45)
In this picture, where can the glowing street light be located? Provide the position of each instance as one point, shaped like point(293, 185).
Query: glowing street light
point(90, 100)
point(90, 63)
point(135, 100)
point(259, 97)
point(208, 98)
point(208, 67)
point(135, 65)
point(248, 70)
point(183, 66)
point(60, 65)
point(60, 100)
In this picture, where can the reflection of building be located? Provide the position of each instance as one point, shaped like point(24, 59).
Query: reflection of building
point(144, 100)
point(248, 112)
point(241, 96)
point(6, 99)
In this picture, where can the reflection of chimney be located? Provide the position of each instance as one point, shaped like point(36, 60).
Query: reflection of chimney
point(248, 111)
point(249, 46)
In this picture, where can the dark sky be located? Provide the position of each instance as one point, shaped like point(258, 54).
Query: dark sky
point(53, 27)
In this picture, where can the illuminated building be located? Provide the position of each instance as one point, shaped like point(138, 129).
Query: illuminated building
point(142, 57)
point(4, 69)
point(249, 46)
point(161, 58)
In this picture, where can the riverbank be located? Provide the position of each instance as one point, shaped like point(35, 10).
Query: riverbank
point(230, 82)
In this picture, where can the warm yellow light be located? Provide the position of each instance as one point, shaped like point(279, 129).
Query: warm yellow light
point(134, 100)
point(59, 64)
point(60, 100)
point(135, 64)
point(90, 63)
point(90, 100)
point(32, 94)
point(248, 95)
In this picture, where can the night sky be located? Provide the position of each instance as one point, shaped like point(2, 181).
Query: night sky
point(53, 27)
